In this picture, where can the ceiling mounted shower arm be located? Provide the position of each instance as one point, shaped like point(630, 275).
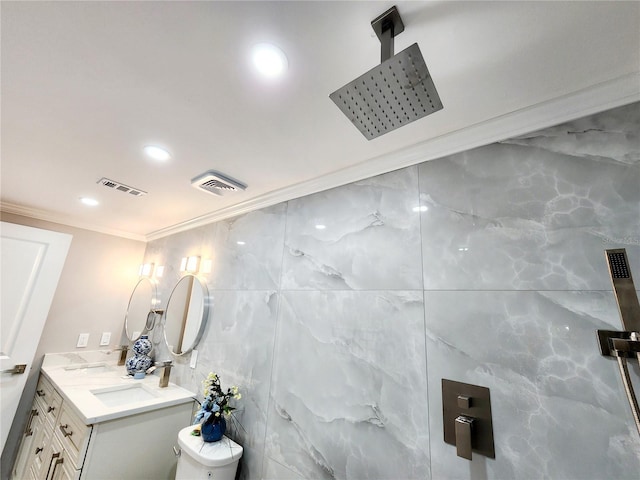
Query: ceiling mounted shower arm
point(387, 26)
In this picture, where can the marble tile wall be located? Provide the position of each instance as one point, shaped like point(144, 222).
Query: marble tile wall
point(484, 267)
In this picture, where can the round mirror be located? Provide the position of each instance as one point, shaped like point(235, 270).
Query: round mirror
point(141, 303)
point(186, 315)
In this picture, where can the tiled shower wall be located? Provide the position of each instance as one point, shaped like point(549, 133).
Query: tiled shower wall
point(339, 337)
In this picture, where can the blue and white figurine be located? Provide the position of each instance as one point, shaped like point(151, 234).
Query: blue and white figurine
point(141, 361)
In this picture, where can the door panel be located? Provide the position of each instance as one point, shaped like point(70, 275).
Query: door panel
point(31, 260)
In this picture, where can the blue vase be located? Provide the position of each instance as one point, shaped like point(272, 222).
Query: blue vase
point(213, 432)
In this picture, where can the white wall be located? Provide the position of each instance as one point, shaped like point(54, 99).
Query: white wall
point(98, 277)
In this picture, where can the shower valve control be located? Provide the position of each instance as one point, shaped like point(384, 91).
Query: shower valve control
point(467, 419)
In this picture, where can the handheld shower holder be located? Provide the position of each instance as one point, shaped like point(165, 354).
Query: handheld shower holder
point(623, 345)
point(618, 344)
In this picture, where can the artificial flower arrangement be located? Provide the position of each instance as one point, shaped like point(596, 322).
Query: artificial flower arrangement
point(216, 402)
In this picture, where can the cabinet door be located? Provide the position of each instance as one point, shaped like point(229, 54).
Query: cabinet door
point(40, 450)
point(27, 445)
point(60, 465)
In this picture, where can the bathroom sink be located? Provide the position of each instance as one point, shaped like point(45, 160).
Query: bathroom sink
point(120, 395)
point(88, 368)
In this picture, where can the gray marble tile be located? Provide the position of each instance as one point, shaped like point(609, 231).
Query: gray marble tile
point(238, 345)
point(275, 471)
point(371, 240)
point(611, 135)
point(505, 217)
point(349, 389)
point(246, 251)
point(558, 407)
point(250, 464)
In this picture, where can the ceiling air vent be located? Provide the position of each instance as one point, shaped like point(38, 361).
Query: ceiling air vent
point(136, 192)
point(216, 183)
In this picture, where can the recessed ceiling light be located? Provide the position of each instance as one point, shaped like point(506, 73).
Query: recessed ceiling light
point(321, 227)
point(91, 202)
point(269, 60)
point(157, 153)
point(421, 208)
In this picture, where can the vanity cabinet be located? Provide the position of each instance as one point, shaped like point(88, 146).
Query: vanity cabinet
point(57, 444)
point(44, 453)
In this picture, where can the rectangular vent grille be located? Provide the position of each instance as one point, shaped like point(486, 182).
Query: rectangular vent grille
point(136, 192)
point(216, 183)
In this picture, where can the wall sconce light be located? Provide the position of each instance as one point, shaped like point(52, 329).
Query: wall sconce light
point(206, 266)
point(190, 264)
point(146, 270)
point(159, 271)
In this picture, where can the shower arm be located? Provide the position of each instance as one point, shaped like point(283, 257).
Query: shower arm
point(387, 26)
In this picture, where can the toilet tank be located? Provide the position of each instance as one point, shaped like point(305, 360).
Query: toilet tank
point(206, 460)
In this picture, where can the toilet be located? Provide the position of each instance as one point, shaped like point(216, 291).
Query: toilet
point(206, 460)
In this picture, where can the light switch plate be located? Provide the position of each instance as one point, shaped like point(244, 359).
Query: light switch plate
point(105, 339)
point(194, 358)
point(83, 340)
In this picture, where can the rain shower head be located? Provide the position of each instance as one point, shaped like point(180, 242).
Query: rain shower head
point(398, 91)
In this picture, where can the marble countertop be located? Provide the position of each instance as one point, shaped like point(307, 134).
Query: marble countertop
point(80, 376)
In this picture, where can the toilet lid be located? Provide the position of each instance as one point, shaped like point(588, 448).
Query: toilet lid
point(211, 454)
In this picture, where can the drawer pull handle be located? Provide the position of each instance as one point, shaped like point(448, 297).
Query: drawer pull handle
point(40, 393)
point(53, 457)
point(63, 429)
point(50, 409)
point(27, 431)
point(55, 465)
point(39, 449)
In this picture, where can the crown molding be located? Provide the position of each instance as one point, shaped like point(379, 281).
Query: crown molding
point(596, 98)
point(47, 216)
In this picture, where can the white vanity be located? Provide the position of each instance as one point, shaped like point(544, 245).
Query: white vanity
point(89, 420)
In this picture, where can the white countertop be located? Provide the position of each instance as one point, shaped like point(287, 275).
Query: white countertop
point(80, 376)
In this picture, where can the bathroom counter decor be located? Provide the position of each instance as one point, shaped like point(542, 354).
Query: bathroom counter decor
point(215, 405)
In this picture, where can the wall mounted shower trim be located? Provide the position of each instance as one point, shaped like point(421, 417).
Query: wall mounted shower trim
point(623, 345)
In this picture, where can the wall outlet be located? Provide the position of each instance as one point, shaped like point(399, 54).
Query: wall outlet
point(105, 339)
point(83, 340)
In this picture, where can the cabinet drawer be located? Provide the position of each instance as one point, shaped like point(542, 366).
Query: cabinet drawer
point(73, 434)
point(49, 400)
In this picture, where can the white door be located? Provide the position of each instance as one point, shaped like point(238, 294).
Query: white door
point(31, 260)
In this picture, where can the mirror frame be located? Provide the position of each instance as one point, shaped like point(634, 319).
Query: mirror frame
point(203, 319)
point(152, 304)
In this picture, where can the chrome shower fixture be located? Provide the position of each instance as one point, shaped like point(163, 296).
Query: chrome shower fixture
point(623, 345)
point(398, 91)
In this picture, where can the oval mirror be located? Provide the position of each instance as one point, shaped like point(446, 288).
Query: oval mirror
point(141, 303)
point(186, 315)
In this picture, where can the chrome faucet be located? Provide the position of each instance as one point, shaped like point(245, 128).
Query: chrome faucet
point(166, 370)
point(123, 354)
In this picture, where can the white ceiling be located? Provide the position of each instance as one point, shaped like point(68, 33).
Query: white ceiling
point(85, 85)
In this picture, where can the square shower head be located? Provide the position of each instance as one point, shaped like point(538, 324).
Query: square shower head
point(398, 91)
